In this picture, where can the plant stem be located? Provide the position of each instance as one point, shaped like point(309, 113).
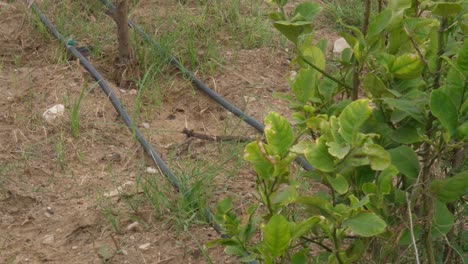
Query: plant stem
point(367, 10)
point(356, 81)
point(323, 72)
point(337, 247)
point(440, 52)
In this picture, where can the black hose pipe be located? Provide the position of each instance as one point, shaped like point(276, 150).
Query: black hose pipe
point(189, 75)
point(118, 106)
point(114, 100)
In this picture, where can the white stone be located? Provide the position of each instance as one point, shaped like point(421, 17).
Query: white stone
point(132, 226)
point(133, 91)
point(145, 246)
point(48, 240)
point(340, 45)
point(145, 125)
point(119, 190)
point(249, 99)
point(54, 112)
point(151, 170)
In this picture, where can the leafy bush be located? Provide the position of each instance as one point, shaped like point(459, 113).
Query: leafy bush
point(387, 134)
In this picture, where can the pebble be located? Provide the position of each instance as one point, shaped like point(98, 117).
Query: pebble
point(48, 240)
point(75, 247)
point(54, 112)
point(145, 246)
point(249, 99)
point(151, 170)
point(132, 226)
point(133, 91)
point(145, 125)
point(49, 210)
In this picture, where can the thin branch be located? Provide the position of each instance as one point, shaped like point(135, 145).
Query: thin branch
point(193, 134)
point(413, 239)
point(327, 248)
point(323, 72)
point(415, 45)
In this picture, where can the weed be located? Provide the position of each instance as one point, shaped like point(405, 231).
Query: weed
point(60, 150)
point(349, 12)
point(75, 110)
point(111, 214)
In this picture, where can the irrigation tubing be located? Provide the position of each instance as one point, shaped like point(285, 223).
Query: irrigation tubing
point(189, 75)
point(118, 106)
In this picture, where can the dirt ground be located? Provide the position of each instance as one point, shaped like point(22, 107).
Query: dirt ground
point(53, 185)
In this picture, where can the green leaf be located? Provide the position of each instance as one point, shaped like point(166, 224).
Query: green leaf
point(277, 235)
point(339, 183)
point(399, 5)
point(442, 220)
point(317, 205)
point(306, 11)
point(446, 9)
point(375, 86)
point(353, 118)
point(379, 22)
point(455, 87)
point(278, 133)
point(406, 161)
point(443, 108)
point(287, 196)
point(366, 224)
point(248, 230)
point(315, 56)
point(292, 30)
point(384, 182)
point(317, 155)
point(450, 189)
point(261, 165)
point(462, 60)
point(378, 157)
point(223, 242)
point(299, 258)
point(304, 226)
point(462, 131)
point(234, 251)
point(407, 134)
point(304, 85)
point(407, 66)
point(338, 150)
point(407, 107)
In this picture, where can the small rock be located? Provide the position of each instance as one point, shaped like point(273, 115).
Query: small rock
point(48, 240)
point(124, 252)
point(54, 112)
point(122, 91)
point(47, 215)
point(132, 226)
point(340, 45)
point(133, 91)
point(119, 190)
point(249, 99)
point(145, 246)
point(151, 170)
point(75, 247)
point(49, 210)
point(132, 237)
point(145, 125)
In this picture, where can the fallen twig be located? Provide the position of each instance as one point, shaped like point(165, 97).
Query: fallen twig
point(191, 133)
